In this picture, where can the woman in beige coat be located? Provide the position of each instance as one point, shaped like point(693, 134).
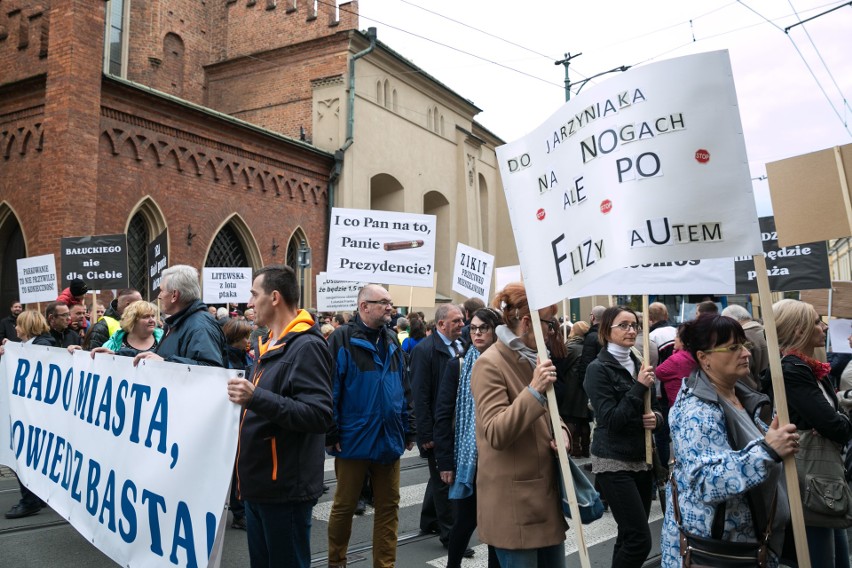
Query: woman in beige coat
point(519, 510)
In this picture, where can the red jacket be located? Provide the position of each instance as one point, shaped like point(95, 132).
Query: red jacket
point(66, 297)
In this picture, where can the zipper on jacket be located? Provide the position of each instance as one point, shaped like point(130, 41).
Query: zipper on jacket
point(274, 459)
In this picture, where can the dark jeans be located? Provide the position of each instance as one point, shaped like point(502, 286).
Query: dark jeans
point(30, 499)
point(463, 527)
point(436, 512)
point(279, 534)
point(236, 506)
point(629, 496)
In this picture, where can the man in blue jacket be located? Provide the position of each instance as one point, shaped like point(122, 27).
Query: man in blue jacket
point(373, 424)
point(287, 406)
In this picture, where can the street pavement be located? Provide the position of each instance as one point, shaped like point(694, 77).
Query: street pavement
point(45, 540)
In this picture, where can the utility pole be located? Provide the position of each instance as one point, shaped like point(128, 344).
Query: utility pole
point(566, 63)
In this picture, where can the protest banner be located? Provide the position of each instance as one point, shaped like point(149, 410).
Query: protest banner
point(506, 274)
point(839, 331)
point(137, 459)
point(381, 247)
point(101, 261)
point(650, 166)
point(707, 276)
point(337, 296)
point(799, 267)
point(227, 285)
point(414, 296)
point(37, 279)
point(158, 260)
point(837, 301)
point(472, 272)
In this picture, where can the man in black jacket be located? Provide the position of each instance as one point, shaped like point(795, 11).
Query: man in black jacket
point(58, 316)
point(7, 324)
point(282, 434)
point(590, 342)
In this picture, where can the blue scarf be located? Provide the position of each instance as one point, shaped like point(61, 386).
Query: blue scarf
point(465, 451)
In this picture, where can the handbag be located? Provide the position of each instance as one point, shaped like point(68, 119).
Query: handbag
point(826, 496)
point(589, 500)
point(703, 552)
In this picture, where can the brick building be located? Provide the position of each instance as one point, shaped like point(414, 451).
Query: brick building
point(232, 125)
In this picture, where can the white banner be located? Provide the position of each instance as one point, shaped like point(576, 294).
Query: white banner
point(708, 276)
point(227, 285)
point(839, 331)
point(472, 272)
point(337, 296)
point(137, 459)
point(506, 275)
point(381, 247)
point(37, 279)
point(648, 167)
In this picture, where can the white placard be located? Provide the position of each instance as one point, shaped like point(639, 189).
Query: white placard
point(123, 453)
point(337, 296)
point(381, 247)
point(839, 331)
point(648, 167)
point(37, 279)
point(227, 285)
point(708, 276)
point(506, 275)
point(472, 272)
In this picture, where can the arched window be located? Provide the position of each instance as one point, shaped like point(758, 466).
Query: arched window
point(395, 109)
point(378, 92)
point(293, 246)
point(387, 94)
point(12, 247)
point(442, 125)
point(429, 119)
point(173, 64)
point(227, 250)
point(435, 119)
point(138, 238)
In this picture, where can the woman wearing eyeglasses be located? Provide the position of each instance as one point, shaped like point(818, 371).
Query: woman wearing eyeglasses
point(616, 384)
point(518, 505)
point(455, 436)
point(813, 407)
point(727, 466)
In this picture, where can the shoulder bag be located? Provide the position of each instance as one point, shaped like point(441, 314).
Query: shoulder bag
point(826, 496)
point(589, 500)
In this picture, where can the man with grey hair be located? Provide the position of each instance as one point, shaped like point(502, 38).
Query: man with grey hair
point(756, 334)
point(591, 346)
point(192, 337)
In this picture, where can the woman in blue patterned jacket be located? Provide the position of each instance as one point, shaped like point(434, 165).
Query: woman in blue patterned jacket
point(724, 454)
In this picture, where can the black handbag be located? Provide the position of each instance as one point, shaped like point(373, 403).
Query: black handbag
point(704, 552)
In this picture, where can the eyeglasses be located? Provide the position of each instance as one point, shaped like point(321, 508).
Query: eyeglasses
point(476, 329)
point(552, 325)
point(384, 303)
point(65, 315)
point(624, 326)
point(735, 348)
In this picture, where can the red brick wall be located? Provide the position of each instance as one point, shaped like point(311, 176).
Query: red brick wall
point(23, 39)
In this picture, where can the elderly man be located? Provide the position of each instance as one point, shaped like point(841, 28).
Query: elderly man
point(192, 336)
point(428, 362)
point(754, 332)
point(662, 333)
point(591, 346)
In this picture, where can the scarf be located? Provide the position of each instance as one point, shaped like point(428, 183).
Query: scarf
point(465, 435)
point(513, 342)
point(622, 355)
point(819, 368)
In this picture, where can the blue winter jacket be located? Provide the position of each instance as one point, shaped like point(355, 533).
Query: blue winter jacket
point(373, 413)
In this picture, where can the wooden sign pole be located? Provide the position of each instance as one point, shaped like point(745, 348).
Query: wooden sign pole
point(564, 320)
point(646, 352)
point(790, 473)
point(559, 439)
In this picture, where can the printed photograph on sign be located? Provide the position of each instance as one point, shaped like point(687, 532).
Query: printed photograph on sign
point(226, 285)
point(619, 176)
point(381, 247)
point(37, 279)
point(472, 272)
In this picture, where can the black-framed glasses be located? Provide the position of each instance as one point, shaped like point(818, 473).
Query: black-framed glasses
point(476, 329)
point(384, 303)
point(624, 326)
point(552, 325)
point(735, 348)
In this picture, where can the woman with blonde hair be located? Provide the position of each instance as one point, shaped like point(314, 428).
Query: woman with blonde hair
point(138, 331)
point(814, 410)
point(518, 505)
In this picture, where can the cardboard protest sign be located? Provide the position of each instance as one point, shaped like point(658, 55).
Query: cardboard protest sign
point(123, 453)
point(708, 276)
point(337, 296)
point(807, 196)
point(381, 247)
point(227, 285)
point(158, 260)
point(841, 299)
point(650, 166)
point(472, 272)
point(414, 296)
point(839, 331)
point(37, 279)
point(101, 261)
point(798, 267)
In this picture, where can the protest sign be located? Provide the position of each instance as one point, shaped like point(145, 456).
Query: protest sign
point(839, 331)
point(381, 247)
point(414, 296)
point(708, 276)
point(505, 275)
point(137, 459)
point(472, 272)
point(227, 285)
point(37, 279)
point(158, 260)
point(337, 296)
point(101, 261)
point(838, 304)
point(798, 267)
point(650, 166)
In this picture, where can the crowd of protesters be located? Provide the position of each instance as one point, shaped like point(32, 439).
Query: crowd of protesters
point(468, 389)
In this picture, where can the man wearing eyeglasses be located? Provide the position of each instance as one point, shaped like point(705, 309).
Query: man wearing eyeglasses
point(373, 424)
point(58, 316)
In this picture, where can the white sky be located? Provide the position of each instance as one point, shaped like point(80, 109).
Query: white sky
point(783, 110)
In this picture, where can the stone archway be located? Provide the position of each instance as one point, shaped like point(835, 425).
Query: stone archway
point(12, 247)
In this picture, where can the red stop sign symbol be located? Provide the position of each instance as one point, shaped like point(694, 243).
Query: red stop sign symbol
point(606, 206)
point(540, 214)
point(702, 156)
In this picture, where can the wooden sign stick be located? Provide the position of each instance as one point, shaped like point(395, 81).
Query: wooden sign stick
point(646, 350)
point(559, 438)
